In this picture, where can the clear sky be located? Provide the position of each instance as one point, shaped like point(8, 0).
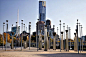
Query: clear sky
point(68, 11)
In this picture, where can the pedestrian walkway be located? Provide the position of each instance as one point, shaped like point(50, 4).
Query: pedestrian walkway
point(40, 53)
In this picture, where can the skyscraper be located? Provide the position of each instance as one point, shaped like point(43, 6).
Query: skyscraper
point(42, 11)
point(13, 29)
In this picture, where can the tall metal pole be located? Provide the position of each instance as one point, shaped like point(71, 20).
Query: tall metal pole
point(64, 34)
point(68, 31)
point(62, 41)
point(67, 49)
point(21, 33)
point(60, 35)
point(6, 34)
point(37, 34)
point(12, 46)
point(16, 34)
point(29, 35)
point(3, 34)
point(82, 37)
point(69, 38)
point(49, 37)
point(77, 37)
point(57, 35)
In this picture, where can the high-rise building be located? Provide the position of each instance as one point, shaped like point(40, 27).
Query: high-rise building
point(42, 11)
point(14, 30)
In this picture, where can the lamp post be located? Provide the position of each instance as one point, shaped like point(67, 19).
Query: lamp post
point(21, 33)
point(57, 35)
point(67, 49)
point(77, 37)
point(45, 38)
point(70, 38)
point(16, 35)
point(29, 34)
point(62, 41)
point(3, 35)
point(64, 34)
point(6, 34)
point(12, 46)
point(54, 41)
point(75, 42)
point(37, 33)
point(48, 37)
point(60, 35)
point(82, 37)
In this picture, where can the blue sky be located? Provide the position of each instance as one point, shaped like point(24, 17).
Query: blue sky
point(68, 11)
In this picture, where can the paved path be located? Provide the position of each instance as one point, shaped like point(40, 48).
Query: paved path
point(41, 53)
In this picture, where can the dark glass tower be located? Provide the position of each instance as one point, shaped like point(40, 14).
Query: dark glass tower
point(42, 11)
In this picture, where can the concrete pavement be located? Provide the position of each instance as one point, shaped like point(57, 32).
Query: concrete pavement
point(41, 53)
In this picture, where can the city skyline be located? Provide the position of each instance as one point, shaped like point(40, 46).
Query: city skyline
point(66, 11)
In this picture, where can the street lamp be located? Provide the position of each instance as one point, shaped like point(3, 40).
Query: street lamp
point(64, 34)
point(6, 33)
point(29, 34)
point(67, 49)
point(60, 35)
point(12, 39)
point(37, 33)
point(3, 34)
point(16, 35)
point(82, 37)
point(21, 33)
point(62, 41)
point(77, 37)
point(49, 36)
point(70, 38)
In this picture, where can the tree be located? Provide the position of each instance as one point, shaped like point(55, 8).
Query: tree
point(1, 40)
point(8, 38)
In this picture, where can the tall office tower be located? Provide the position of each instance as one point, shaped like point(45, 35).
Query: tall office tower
point(42, 11)
point(13, 29)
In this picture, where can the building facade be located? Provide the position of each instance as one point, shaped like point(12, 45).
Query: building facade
point(40, 26)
